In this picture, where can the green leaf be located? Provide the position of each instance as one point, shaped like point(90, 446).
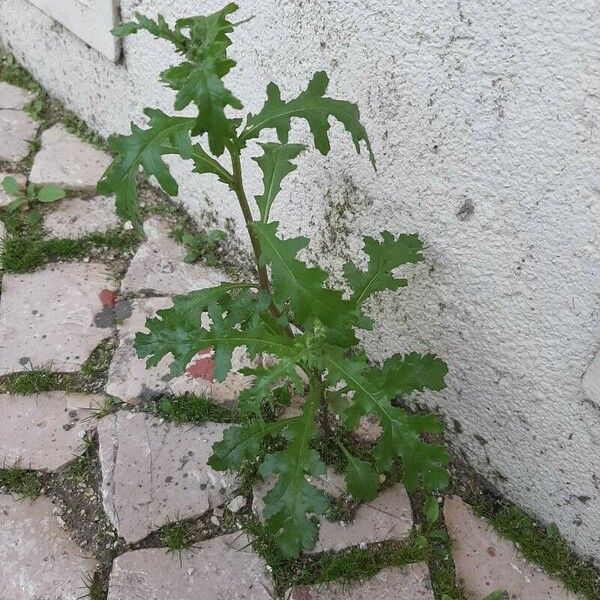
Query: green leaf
point(13, 206)
point(497, 595)
point(413, 372)
point(431, 509)
point(275, 164)
point(401, 435)
point(11, 186)
point(241, 443)
point(172, 333)
point(159, 28)
point(383, 258)
point(302, 287)
point(204, 163)
point(265, 380)
point(202, 85)
point(315, 107)
point(292, 499)
point(34, 217)
point(50, 193)
point(362, 479)
point(145, 148)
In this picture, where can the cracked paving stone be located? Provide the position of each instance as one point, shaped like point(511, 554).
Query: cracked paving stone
point(158, 267)
point(17, 129)
point(44, 431)
point(37, 559)
point(154, 472)
point(486, 562)
point(129, 380)
point(53, 318)
point(67, 161)
point(73, 219)
point(388, 517)
point(410, 582)
point(5, 199)
point(223, 567)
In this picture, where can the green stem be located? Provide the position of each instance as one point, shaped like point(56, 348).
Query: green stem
point(238, 187)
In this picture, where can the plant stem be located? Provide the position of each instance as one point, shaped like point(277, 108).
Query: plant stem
point(238, 187)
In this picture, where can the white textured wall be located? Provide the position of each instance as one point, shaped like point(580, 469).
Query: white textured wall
point(484, 118)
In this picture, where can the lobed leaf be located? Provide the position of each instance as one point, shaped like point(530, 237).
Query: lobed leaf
point(145, 148)
point(315, 107)
point(292, 499)
point(384, 256)
point(302, 288)
point(242, 443)
point(275, 163)
point(401, 432)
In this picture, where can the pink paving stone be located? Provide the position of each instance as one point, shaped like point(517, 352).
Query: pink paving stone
point(53, 318)
point(5, 199)
point(154, 472)
point(129, 380)
point(44, 431)
point(37, 559)
point(486, 562)
point(76, 218)
point(388, 517)
point(410, 582)
point(158, 267)
point(13, 97)
point(17, 129)
point(222, 568)
point(67, 161)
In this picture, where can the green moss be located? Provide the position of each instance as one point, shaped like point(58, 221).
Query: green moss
point(23, 482)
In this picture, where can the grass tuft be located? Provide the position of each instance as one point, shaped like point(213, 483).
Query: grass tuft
point(23, 482)
point(192, 409)
point(176, 537)
point(95, 589)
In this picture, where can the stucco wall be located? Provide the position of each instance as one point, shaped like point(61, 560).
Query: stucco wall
point(484, 119)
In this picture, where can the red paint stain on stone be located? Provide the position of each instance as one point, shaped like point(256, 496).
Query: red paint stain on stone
point(203, 367)
point(491, 551)
point(108, 297)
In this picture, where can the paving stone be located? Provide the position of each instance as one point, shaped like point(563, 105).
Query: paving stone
point(13, 97)
point(486, 562)
point(154, 472)
point(37, 559)
point(410, 582)
point(388, 517)
point(129, 380)
point(222, 568)
point(73, 219)
point(5, 199)
point(17, 128)
point(44, 431)
point(158, 267)
point(53, 317)
point(67, 161)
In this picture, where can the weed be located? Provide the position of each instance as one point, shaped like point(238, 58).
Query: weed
point(23, 482)
point(192, 409)
point(176, 536)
